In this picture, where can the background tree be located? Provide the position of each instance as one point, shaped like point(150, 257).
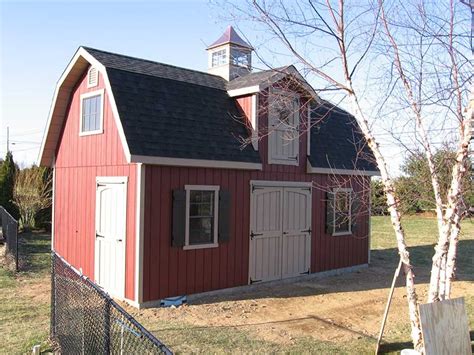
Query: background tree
point(7, 181)
point(32, 194)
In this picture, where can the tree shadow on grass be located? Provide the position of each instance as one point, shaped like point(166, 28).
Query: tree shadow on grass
point(34, 252)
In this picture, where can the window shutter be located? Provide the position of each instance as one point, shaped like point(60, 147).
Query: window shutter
point(179, 218)
point(224, 216)
point(330, 212)
point(355, 211)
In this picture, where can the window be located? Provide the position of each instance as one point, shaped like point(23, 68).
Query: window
point(342, 212)
point(219, 58)
point(201, 216)
point(92, 77)
point(91, 113)
point(240, 57)
point(284, 129)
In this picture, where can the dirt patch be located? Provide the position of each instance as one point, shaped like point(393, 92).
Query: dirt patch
point(336, 309)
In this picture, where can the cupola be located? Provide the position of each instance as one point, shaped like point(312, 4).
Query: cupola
point(230, 56)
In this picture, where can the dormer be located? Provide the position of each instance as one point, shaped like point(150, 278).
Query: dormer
point(230, 56)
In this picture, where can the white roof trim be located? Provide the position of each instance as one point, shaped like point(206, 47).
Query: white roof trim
point(312, 170)
point(57, 114)
point(198, 163)
point(290, 70)
point(244, 91)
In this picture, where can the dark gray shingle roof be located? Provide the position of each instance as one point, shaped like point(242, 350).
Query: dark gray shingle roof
point(336, 140)
point(172, 112)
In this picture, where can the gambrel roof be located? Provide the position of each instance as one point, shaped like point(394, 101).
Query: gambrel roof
point(175, 116)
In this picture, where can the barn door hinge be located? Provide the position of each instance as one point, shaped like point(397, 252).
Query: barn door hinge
point(307, 230)
point(305, 273)
point(253, 235)
point(257, 188)
point(99, 184)
point(293, 158)
point(254, 281)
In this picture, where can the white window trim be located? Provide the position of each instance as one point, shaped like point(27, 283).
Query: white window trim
point(94, 84)
point(188, 189)
point(101, 118)
point(271, 159)
point(349, 232)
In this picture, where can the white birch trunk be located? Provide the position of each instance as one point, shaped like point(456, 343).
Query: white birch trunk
point(393, 203)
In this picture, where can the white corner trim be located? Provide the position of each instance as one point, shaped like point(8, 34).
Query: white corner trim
point(87, 95)
point(53, 203)
point(311, 170)
point(66, 86)
point(199, 163)
point(254, 121)
point(308, 133)
point(139, 234)
point(244, 91)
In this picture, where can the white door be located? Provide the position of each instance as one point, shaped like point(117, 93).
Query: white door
point(266, 234)
point(280, 236)
point(111, 204)
point(296, 253)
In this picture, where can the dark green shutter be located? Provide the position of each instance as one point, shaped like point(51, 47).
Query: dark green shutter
point(224, 216)
point(355, 211)
point(179, 218)
point(329, 212)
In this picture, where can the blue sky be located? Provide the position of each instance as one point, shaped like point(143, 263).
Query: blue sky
point(39, 38)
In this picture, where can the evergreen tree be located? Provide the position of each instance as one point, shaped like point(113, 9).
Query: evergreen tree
point(7, 183)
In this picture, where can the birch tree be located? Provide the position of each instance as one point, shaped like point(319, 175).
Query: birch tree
point(337, 43)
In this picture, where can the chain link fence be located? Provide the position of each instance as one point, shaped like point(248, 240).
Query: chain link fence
point(85, 320)
point(10, 238)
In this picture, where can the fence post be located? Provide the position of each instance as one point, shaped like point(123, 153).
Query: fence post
point(15, 231)
point(53, 298)
point(107, 326)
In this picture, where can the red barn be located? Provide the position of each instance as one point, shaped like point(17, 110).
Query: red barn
point(170, 181)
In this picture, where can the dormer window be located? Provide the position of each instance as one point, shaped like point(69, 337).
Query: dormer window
point(92, 77)
point(240, 57)
point(283, 147)
point(219, 58)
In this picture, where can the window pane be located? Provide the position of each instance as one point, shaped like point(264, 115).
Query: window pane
point(342, 212)
point(201, 217)
point(201, 230)
point(91, 110)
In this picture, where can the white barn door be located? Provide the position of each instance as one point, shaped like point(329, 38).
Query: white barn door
point(266, 234)
point(280, 235)
point(111, 205)
point(296, 253)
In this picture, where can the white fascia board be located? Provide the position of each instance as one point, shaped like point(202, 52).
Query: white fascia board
point(330, 171)
point(61, 86)
point(198, 163)
point(244, 91)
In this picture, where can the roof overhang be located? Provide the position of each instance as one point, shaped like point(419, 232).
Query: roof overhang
point(279, 75)
point(334, 171)
point(60, 103)
point(199, 163)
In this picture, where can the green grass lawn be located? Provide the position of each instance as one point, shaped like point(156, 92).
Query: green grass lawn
point(24, 297)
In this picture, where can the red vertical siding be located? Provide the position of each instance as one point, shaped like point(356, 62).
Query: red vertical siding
point(79, 160)
point(173, 271)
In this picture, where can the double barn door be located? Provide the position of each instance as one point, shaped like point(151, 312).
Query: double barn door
point(280, 235)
